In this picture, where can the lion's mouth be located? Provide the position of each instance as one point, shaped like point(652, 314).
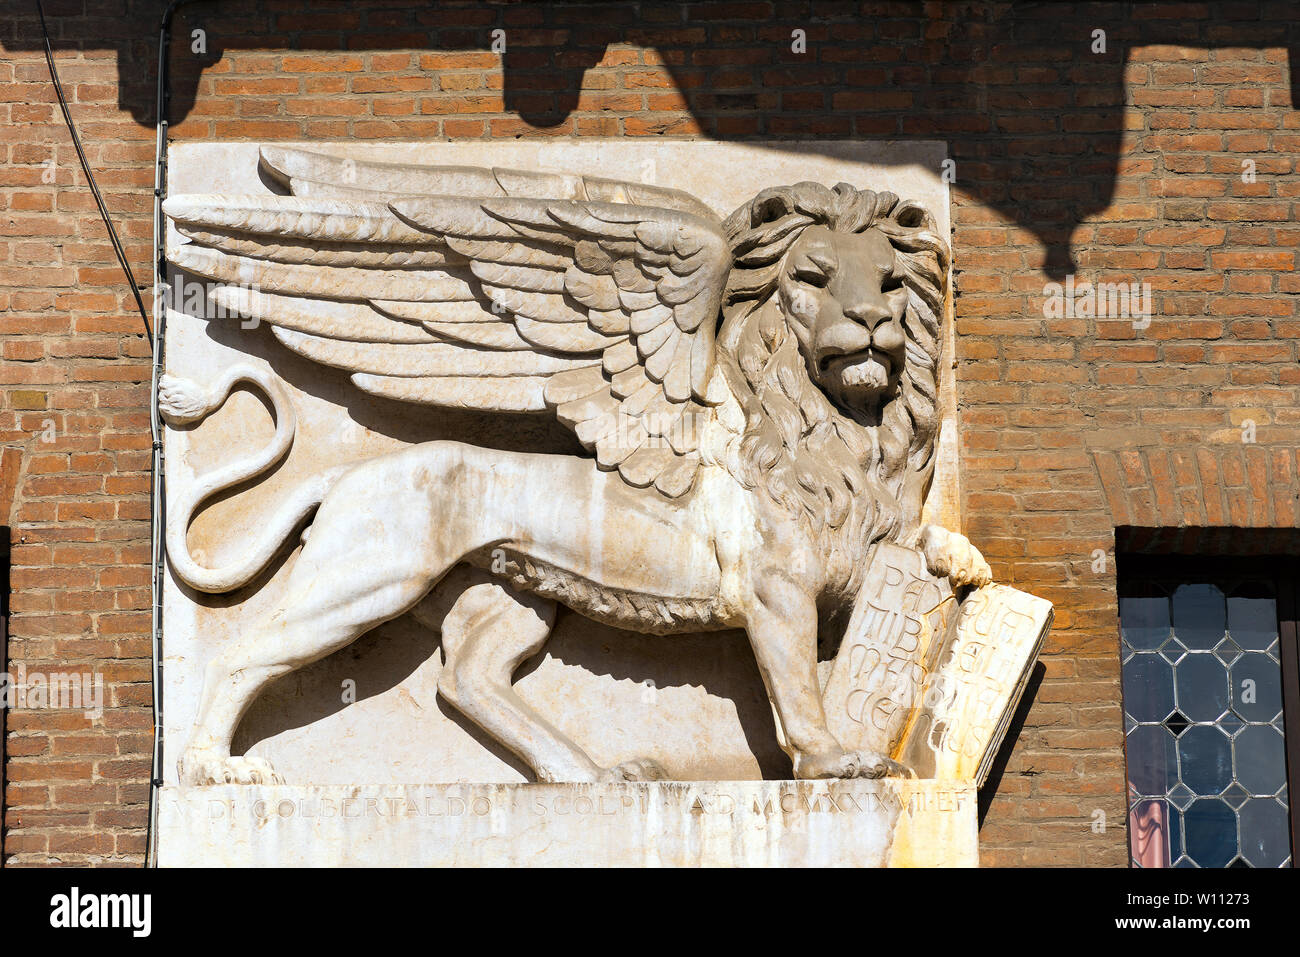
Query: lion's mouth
point(862, 370)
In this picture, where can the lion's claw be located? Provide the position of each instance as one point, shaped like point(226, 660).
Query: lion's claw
point(951, 555)
point(878, 766)
point(637, 769)
point(849, 764)
point(204, 768)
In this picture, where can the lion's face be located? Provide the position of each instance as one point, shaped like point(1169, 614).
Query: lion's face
point(845, 302)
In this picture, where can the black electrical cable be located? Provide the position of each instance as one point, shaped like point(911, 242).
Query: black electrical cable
point(156, 492)
point(90, 177)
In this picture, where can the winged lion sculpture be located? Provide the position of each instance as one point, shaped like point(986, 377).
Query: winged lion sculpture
point(755, 396)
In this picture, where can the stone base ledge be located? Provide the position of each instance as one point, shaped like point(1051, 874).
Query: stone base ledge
point(887, 823)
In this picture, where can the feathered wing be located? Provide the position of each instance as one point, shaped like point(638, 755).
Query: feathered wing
point(496, 290)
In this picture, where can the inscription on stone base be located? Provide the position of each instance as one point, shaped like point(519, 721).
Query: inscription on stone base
point(672, 824)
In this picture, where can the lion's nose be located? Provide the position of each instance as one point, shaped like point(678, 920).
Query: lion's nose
point(870, 312)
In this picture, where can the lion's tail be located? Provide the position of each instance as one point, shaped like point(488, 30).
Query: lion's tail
point(184, 402)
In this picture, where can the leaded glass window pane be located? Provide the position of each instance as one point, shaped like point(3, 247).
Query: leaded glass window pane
point(1202, 684)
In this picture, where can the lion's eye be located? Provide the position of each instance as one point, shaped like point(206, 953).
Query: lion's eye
point(813, 277)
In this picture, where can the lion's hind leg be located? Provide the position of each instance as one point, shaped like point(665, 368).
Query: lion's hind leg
point(364, 563)
point(489, 632)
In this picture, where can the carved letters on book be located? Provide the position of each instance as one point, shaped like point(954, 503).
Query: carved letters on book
point(976, 683)
point(899, 623)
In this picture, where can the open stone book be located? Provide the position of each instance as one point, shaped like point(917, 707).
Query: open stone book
point(928, 679)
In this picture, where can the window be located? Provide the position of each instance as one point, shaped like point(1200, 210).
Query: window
point(1211, 708)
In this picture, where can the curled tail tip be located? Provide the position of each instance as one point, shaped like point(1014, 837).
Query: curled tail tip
point(181, 401)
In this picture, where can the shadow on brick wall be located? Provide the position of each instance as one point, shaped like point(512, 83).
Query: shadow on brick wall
point(999, 766)
point(1033, 117)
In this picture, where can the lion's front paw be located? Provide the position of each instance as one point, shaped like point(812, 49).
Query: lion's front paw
point(848, 764)
point(951, 555)
point(637, 769)
point(200, 768)
point(871, 764)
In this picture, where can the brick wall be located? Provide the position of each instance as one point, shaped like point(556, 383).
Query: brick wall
point(1123, 165)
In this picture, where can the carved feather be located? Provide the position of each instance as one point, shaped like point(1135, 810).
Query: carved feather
point(284, 165)
point(566, 337)
point(349, 321)
point(433, 359)
point(636, 403)
point(643, 466)
point(648, 343)
point(295, 217)
point(678, 477)
point(591, 431)
point(523, 278)
point(684, 436)
point(568, 386)
point(628, 382)
point(677, 381)
point(465, 311)
point(617, 446)
point(658, 362)
point(596, 405)
point(643, 321)
point(287, 165)
point(620, 357)
point(523, 394)
point(542, 306)
point(455, 216)
point(320, 253)
point(518, 252)
point(593, 291)
point(489, 335)
point(323, 282)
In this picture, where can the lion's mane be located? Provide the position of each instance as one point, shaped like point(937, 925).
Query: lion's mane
point(864, 479)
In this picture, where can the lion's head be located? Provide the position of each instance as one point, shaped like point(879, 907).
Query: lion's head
point(830, 341)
